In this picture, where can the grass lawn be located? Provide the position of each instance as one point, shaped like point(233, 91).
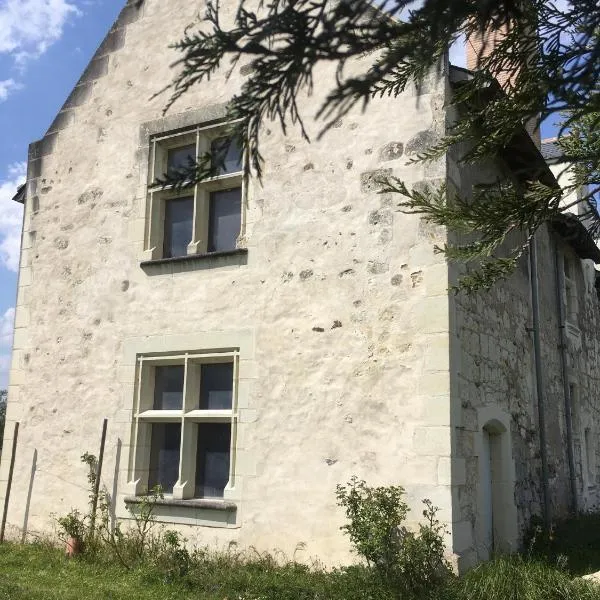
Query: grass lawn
point(36, 572)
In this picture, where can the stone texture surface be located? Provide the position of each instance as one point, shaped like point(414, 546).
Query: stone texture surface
point(362, 364)
point(343, 364)
point(493, 368)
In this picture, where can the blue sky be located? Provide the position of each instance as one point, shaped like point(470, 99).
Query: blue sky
point(44, 47)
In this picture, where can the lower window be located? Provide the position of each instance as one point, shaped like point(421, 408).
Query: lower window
point(185, 424)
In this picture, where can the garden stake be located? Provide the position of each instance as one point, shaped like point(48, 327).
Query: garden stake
point(9, 484)
point(98, 474)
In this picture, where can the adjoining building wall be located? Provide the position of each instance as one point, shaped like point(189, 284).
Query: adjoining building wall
point(495, 400)
point(339, 309)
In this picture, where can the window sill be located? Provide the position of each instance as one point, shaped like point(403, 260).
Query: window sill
point(192, 257)
point(203, 503)
point(194, 262)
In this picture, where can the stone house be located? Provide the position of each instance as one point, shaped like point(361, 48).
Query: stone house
point(254, 344)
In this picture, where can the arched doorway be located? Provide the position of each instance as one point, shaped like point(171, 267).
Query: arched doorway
point(496, 515)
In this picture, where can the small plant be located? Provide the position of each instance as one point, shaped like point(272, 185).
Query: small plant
point(375, 516)
point(413, 561)
point(73, 525)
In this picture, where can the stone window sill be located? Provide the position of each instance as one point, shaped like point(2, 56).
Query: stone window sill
point(195, 262)
point(192, 257)
point(203, 503)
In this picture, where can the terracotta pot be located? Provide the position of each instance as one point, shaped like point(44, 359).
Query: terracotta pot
point(74, 547)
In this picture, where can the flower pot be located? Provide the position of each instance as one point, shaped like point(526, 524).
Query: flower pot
point(74, 546)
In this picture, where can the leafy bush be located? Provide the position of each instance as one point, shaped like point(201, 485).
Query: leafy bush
point(413, 561)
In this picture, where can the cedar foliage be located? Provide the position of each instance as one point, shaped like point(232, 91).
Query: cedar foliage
point(551, 52)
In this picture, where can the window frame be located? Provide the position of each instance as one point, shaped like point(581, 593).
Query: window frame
point(588, 442)
point(144, 415)
point(157, 195)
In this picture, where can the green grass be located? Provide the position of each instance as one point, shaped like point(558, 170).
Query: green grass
point(574, 541)
point(519, 578)
point(36, 572)
point(40, 572)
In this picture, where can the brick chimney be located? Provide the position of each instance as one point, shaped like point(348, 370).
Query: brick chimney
point(480, 45)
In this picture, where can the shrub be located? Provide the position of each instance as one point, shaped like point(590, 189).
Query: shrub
point(413, 561)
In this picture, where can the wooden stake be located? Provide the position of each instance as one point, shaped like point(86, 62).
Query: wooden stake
point(9, 483)
point(98, 475)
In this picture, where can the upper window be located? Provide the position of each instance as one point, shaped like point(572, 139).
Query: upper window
point(194, 219)
point(185, 424)
point(570, 296)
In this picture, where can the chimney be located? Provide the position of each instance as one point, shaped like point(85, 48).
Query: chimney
point(479, 46)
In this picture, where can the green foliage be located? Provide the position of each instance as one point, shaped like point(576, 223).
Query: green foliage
point(375, 516)
point(573, 543)
point(551, 56)
point(518, 578)
point(40, 572)
point(73, 524)
point(412, 562)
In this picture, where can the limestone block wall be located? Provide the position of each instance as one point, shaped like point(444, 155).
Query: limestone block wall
point(340, 303)
point(493, 381)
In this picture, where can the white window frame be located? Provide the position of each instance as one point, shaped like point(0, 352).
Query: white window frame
point(144, 416)
point(570, 290)
point(158, 195)
point(589, 452)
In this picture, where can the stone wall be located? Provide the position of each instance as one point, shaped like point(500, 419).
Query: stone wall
point(340, 303)
point(493, 380)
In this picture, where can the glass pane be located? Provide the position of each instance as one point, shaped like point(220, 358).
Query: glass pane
point(225, 218)
point(226, 155)
point(164, 456)
point(180, 158)
point(216, 386)
point(212, 459)
point(179, 216)
point(168, 388)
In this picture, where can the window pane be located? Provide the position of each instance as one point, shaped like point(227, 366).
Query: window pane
point(212, 459)
point(179, 215)
point(225, 218)
point(164, 456)
point(226, 155)
point(216, 386)
point(179, 158)
point(168, 388)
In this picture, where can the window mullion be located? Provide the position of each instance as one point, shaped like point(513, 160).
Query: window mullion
point(234, 421)
point(185, 483)
point(140, 463)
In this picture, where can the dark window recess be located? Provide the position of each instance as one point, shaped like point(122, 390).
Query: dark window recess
point(212, 459)
point(216, 386)
point(225, 218)
point(179, 216)
point(168, 388)
point(180, 159)
point(164, 456)
point(226, 155)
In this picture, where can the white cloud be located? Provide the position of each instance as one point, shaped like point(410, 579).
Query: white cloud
point(11, 214)
point(6, 87)
point(7, 321)
point(4, 368)
point(6, 336)
point(29, 27)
